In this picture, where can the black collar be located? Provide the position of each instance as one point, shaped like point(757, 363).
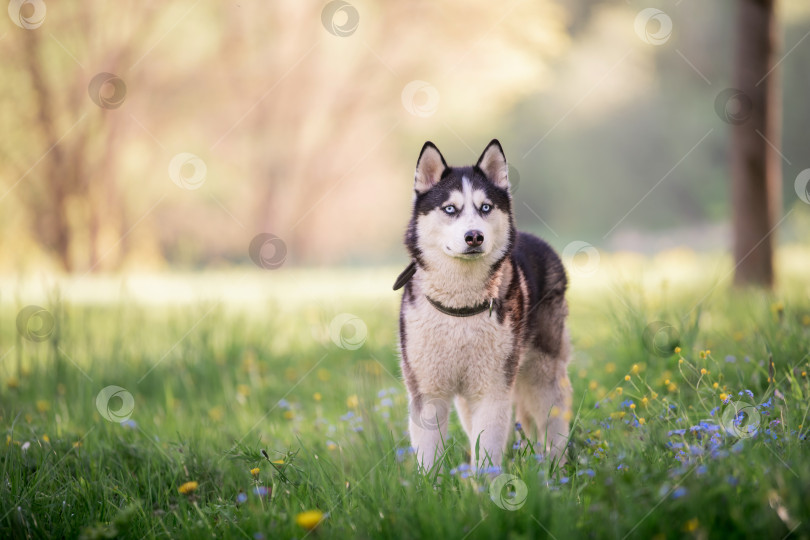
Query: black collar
point(468, 311)
point(408, 273)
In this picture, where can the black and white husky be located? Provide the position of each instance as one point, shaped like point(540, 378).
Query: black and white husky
point(482, 320)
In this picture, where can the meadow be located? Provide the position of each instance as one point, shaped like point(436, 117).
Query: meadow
point(247, 405)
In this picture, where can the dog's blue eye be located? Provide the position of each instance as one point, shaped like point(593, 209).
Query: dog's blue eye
point(485, 208)
point(449, 209)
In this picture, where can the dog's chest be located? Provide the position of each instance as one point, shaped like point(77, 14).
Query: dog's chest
point(456, 355)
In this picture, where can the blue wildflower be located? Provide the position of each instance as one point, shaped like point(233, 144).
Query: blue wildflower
point(564, 480)
point(241, 497)
point(589, 472)
point(731, 359)
point(261, 491)
point(672, 432)
point(679, 492)
point(283, 403)
point(131, 424)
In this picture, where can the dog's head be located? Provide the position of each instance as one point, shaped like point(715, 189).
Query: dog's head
point(464, 213)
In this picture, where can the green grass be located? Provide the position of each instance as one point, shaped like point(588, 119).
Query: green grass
point(214, 386)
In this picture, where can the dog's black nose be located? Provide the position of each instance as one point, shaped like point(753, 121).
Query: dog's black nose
point(474, 238)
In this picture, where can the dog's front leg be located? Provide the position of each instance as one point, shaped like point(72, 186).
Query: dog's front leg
point(428, 427)
point(491, 416)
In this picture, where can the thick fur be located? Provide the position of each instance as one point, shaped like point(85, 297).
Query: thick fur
point(485, 363)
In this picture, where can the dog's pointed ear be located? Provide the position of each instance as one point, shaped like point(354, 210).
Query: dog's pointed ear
point(429, 168)
point(493, 163)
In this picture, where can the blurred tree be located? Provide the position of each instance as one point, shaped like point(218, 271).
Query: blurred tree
point(756, 166)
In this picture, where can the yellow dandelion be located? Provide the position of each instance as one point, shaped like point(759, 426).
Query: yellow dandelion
point(642, 421)
point(677, 350)
point(666, 382)
point(593, 385)
point(620, 390)
point(216, 413)
point(316, 396)
point(188, 488)
point(309, 519)
point(723, 396)
point(806, 320)
point(46, 438)
point(43, 406)
point(618, 415)
point(352, 401)
point(627, 377)
point(635, 369)
point(672, 387)
point(255, 472)
point(715, 385)
point(289, 415)
point(12, 382)
point(610, 367)
point(804, 374)
point(77, 444)
point(704, 371)
point(691, 525)
point(331, 445)
point(632, 405)
point(680, 360)
point(645, 401)
point(708, 352)
point(597, 434)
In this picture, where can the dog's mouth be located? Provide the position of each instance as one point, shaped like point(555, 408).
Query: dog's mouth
point(468, 253)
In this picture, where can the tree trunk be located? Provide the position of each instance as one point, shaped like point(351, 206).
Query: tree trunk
point(756, 166)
